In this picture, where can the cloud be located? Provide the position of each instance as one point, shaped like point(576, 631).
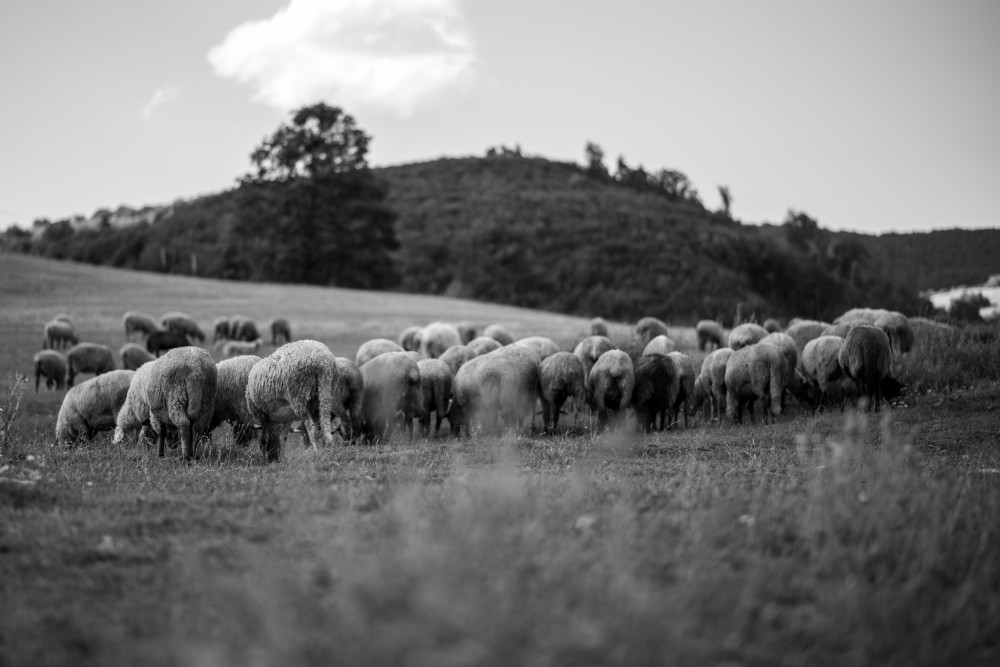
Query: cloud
point(391, 55)
point(164, 95)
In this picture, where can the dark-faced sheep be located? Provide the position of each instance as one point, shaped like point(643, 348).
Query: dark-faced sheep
point(373, 348)
point(649, 328)
point(392, 393)
point(755, 372)
point(162, 341)
point(711, 335)
point(88, 358)
point(92, 406)
point(281, 331)
point(435, 393)
point(745, 334)
point(562, 377)
point(134, 355)
point(611, 382)
point(655, 391)
point(866, 358)
point(136, 321)
point(59, 334)
point(52, 366)
point(184, 324)
point(501, 386)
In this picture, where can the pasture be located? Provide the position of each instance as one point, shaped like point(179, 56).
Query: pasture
point(837, 538)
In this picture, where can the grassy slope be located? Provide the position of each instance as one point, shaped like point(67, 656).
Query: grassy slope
point(820, 540)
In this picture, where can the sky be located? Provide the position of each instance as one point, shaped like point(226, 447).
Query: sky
point(872, 116)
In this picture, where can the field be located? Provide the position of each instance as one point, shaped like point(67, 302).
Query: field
point(837, 538)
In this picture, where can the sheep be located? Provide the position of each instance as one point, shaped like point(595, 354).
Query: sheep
point(221, 329)
point(611, 382)
point(435, 393)
point(790, 350)
point(92, 406)
point(649, 328)
point(456, 355)
point(686, 376)
point(88, 358)
point(745, 334)
point(65, 318)
point(655, 391)
point(713, 375)
point(415, 356)
point(235, 348)
point(231, 396)
point(561, 376)
point(183, 323)
point(134, 355)
point(755, 372)
point(52, 366)
point(162, 341)
point(501, 385)
point(499, 333)
point(599, 327)
point(803, 331)
point(437, 337)
point(281, 331)
point(701, 394)
point(590, 349)
point(466, 331)
point(659, 345)
point(177, 390)
point(820, 365)
point(373, 348)
point(862, 315)
point(840, 329)
point(297, 381)
point(866, 358)
point(772, 325)
point(348, 395)
point(408, 338)
point(138, 321)
point(540, 345)
point(243, 328)
point(392, 387)
point(897, 327)
point(483, 344)
point(710, 333)
point(59, 333)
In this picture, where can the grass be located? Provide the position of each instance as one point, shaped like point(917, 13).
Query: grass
point(840, 538)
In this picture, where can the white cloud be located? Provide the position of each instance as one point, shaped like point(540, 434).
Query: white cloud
point(164, 95)
point(387, 54)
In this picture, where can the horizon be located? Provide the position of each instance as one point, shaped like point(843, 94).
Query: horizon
point(883, 125)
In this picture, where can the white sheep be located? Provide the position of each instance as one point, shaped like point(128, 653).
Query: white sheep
point(391, 394)
point(820, 366)
point(88, 358)
point(373, 348)
point(648, 328)
point(659, 345)
point(790, 350)
point(92, 406)
point(281, 331)
point(52, 366)
point(499, 333)
point(231, 397)
point(745, 334)
point(898, 328)
point(655, 389)
point(686, 374)
point(59, 333)
point(435, 393)
point(235, 348)
point(177, 390)
point(561, 376)
point(590, 349)
point(138, 321)
point(866, 358)
point(437, 337)
point(134, 355)
point(803, 331)
point(611, 382)
point(713, 375)
point(755, 372)
point(499, 386)
point(456, 355)
point(711, 335)
point(483, 344)
point(540, 345)
point(297, 381)
point(183, 323)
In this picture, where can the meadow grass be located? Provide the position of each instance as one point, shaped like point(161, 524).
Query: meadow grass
point(836, 538)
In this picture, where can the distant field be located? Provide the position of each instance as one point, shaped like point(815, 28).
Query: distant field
point(838, 538)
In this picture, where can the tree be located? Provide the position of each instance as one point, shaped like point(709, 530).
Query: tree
point(595, 161)
point(320, 139)
point(727, 200)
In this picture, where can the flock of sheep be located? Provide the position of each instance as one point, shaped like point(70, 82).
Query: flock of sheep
point(176, 392)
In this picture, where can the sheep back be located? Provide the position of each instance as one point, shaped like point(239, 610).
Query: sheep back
point(611, 382)
point(281, 331)
point(184, 324)
point(231, 395)
point(499, 333)
point(803, 331)
point(392, 386)
point(134, 355)
point(540, 345)
point(483, 344)
point(866, 358)
point(456, 355)
point(138, 321)
point(89, 358)
point(745, 334)
point(92, 406)
point(437, 337)
point(373, 348)
point(659, 345)
point(181, 393)
point(657, 385)
point(502, 383)
point(52, 366)
point(755, 372)
point(649, 328)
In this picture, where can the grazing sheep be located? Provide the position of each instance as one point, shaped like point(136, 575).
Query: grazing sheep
point(134, 355)
point(52, 366)
point(611, 382)
point(162, 341)
point(711, 335)
point(235, 348)
point(435, 393)
point(745, 334)
point(221, 329)
point(437, 337)
point(598, 327)
point(348, 395)
point(713, 374)
point(392, 393)
point(755, 372)
point(686, 376)
point(540, 345)
point(65, 318)
point(231, 397)
point(138, 321)
point(183, 323)
point(701, 394)
point(408, 338)
point(866, 358)
point(456, 355)
point(772, 325)
point(840, 329)
point(281, 331)
point(58, 334)
point(177, 390)
point(649, 328)
point(803, 331)
point(820, 366)
point(499, 333)
point(589, 350)
point(659, 345)
point(92, 406)
point(501, 385)
point(88, 358)
point(373, 348)
point(655, 392)
point(562, 377)
point(466, 331)
point(416, 356)
point(243, 328)
point(297, 381)
point(483, 344)
point(897, 327)
point(790, 350)
point(862, 315)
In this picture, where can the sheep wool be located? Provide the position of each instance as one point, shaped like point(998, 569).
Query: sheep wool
point(391, 393)
point(649, 328)
point(611, 382)
point(136, 321)
point(435, 393)
point(134, 355)
point(231, 396)
point(92, 406)
point(483, 344)
point(348, 396)
point(866, 358)
point(499, 386)
point(59, 333)
point(804, 331)
point(755, 372)
point(437, 337)
point(456, 355)
point(561, 377)
point(590, 349)
point(598, 327)
point(373, 348)
point(499, 333)
point(713, 374)
point(540, 345)
point(88, 358)
point(657, 386)
point(659, 345)
point(745, 334)
point(820, 365)
point(408, 338)
point(711, 335)
point(52, 366)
